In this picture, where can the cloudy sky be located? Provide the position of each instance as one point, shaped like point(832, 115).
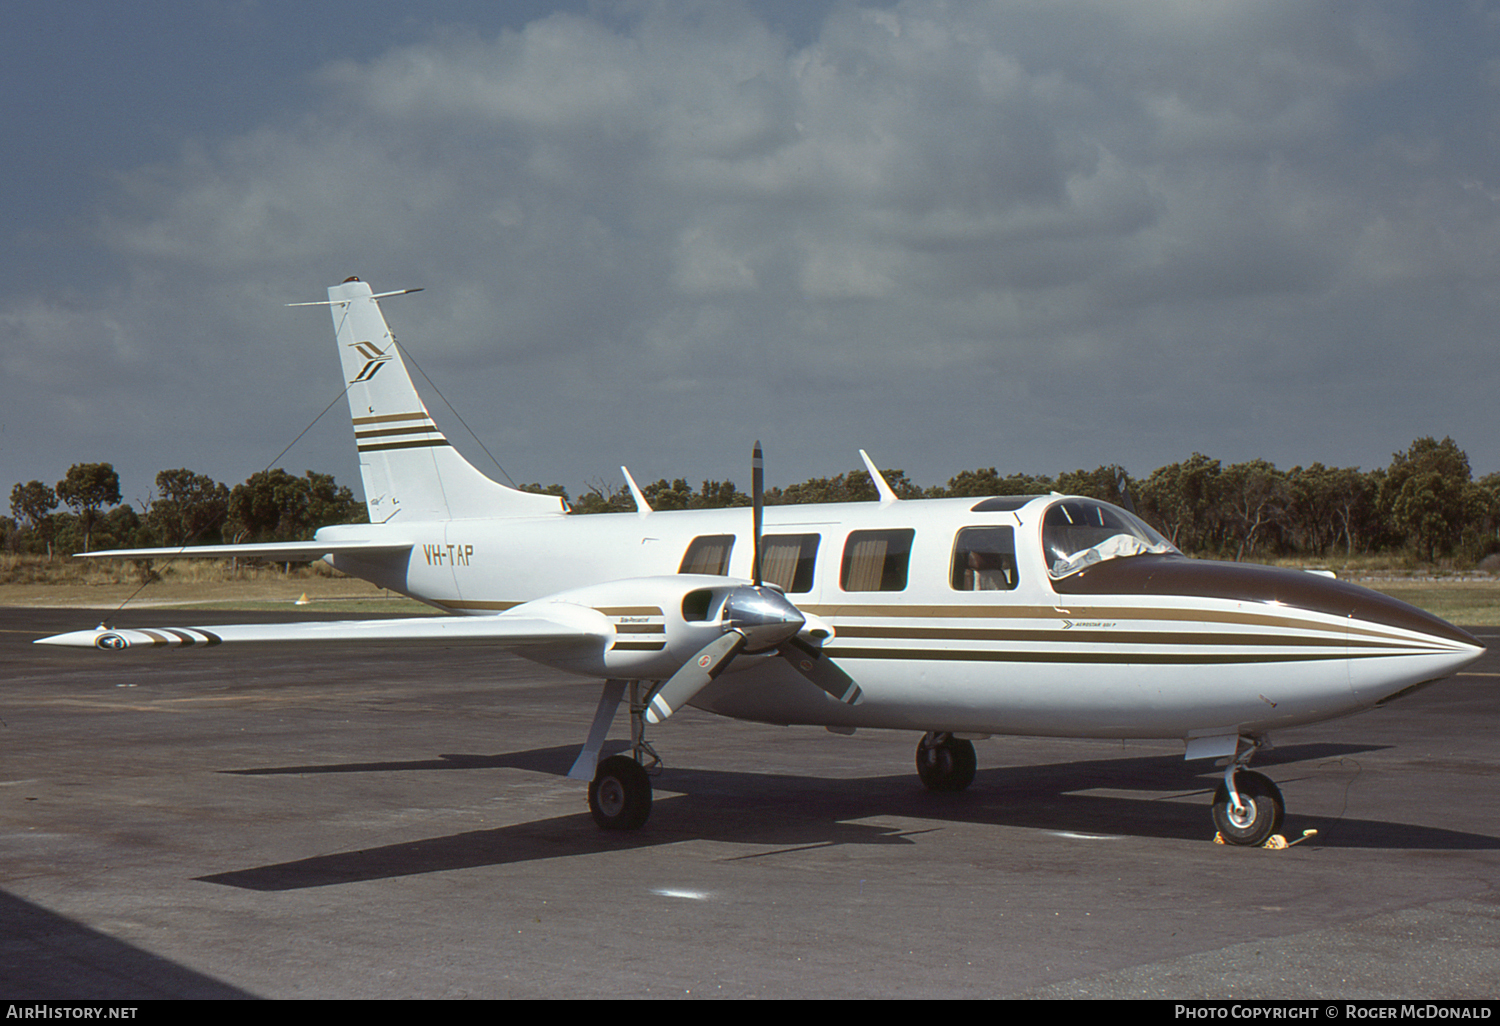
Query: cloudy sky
point(1032, 235)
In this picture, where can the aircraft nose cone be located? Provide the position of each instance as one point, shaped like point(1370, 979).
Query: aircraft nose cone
point(1391, 647)
point(1396, 649)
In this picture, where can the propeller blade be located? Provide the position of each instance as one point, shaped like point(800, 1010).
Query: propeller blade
point(810, 661)
point(758, 501)
point(693, 676)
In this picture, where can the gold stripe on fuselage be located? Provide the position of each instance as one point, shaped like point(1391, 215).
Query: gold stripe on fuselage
point(1106, 637)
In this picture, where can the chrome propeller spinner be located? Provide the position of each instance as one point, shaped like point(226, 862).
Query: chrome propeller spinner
point(755, 619)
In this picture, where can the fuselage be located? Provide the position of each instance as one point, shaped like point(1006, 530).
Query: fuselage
point(965, 615)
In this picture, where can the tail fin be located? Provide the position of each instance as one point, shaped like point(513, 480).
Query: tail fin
point(411, 472)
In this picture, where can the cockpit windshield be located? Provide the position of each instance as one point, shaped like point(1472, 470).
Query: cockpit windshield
point(1077, 533)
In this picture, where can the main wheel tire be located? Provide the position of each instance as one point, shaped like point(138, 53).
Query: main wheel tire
point(1261, 812)
point(946, 764)
point(620, 794)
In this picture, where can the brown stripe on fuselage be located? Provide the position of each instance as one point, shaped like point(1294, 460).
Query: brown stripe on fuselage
point(1021, 656)
point(1104, 637)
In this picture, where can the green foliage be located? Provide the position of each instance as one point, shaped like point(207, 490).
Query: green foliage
point(600, 498)
point(987, 481)
point(1256, 497)
point(272, 505)
point(189, 508)
point(87, 488)
point(32, 503)
point(677, 495)
point(1482, 532)
point(1182, 500)
point(855, 486)
point(1428, 496)
point(1329, 503)
point(1110, 484)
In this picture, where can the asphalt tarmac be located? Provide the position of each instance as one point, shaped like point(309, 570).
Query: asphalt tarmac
point(341, 824)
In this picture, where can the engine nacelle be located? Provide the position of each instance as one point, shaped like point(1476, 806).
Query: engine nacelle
point(650, 626)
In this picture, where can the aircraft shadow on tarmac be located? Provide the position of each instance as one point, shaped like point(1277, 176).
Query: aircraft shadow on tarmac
point(789, 812)
point(49, 957)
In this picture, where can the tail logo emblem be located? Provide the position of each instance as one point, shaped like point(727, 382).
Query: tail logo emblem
point(374, 360)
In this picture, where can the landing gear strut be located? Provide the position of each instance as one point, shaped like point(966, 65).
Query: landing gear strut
point(945, 763)
point(619, 786)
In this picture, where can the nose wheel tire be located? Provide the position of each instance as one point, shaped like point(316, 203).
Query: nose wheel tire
point(620, 794)
point(1259, 814)
point(945, 763)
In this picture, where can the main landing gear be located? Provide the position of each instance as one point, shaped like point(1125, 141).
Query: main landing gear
point(620, 794)
point(619, 786)
point(945, 763)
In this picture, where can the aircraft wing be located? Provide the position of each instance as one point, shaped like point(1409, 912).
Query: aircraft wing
point(275, 552)
point(568, 627)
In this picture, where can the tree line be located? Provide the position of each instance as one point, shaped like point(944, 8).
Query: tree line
point(1426, 504)
point(186, 508)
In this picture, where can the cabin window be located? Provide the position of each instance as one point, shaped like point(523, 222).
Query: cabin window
point(984, 559)
point(708, 555)
point(787, 560)
point(876, 560)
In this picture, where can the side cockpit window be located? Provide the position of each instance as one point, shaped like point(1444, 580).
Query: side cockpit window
point(708, 555)
point(984, 559)
point(876, 560)
point(787, 560)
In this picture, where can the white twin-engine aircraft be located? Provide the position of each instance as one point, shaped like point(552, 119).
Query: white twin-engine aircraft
point(1043, 615)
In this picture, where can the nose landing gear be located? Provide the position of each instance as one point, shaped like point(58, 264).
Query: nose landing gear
point(1248, 807)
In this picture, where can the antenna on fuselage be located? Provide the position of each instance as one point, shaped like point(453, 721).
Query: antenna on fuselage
point(641, 505)
point(886, 493)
